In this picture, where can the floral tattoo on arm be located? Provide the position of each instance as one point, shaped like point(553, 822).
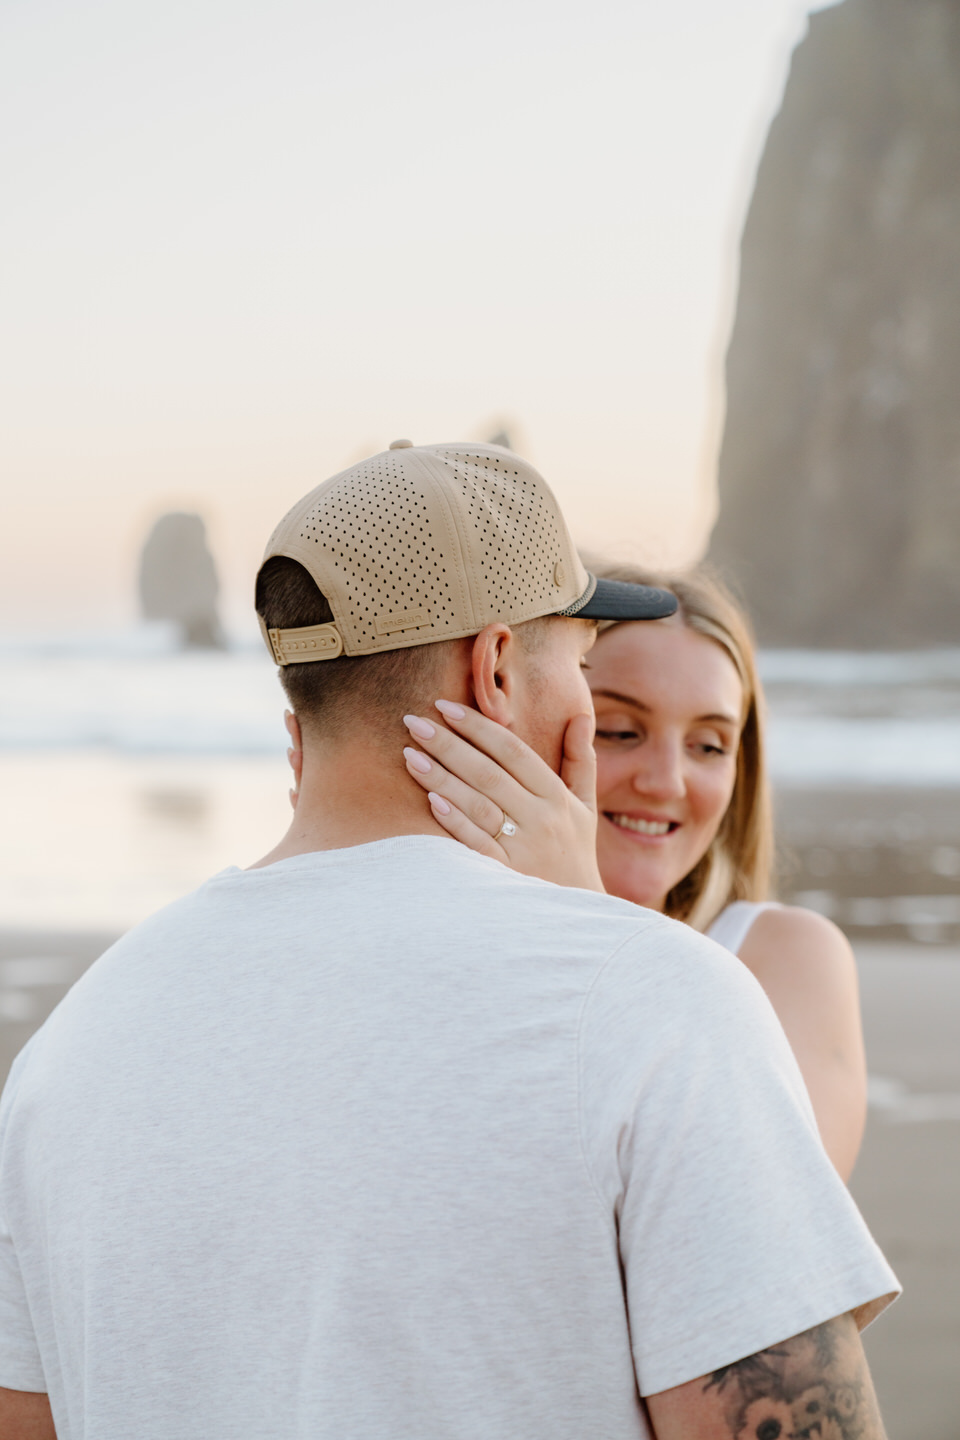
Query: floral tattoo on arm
point(813, 1387)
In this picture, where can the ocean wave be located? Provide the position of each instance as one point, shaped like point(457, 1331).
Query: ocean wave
point(147, 640)
point(167, 703)
point(133, 693)
point(863, 667)
point(817, 750)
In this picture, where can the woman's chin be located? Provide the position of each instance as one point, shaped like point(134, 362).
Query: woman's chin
point(649, 890)
point(635, 872)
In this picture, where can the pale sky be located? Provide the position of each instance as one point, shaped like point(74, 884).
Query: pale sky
point(244, 244)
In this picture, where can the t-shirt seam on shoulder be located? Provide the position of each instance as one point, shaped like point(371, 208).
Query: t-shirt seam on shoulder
point(594, 1186)
point(855, 1272)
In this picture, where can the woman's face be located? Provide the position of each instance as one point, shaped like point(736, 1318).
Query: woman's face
point(668, 705)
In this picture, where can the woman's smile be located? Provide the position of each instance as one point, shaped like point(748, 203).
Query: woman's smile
point(642, 827)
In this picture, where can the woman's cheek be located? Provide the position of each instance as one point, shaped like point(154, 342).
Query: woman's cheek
point(612, 771)
point(714, 793)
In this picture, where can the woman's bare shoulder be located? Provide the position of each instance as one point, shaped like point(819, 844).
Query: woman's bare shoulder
point(792, 942)
point(806, 966)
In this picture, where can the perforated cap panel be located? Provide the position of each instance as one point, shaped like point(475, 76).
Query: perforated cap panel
point(431, 543)
point(515, 535)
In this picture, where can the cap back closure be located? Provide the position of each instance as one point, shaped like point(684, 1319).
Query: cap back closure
point(307, 642)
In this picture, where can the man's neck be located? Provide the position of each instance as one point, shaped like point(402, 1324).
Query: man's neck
point(352, 794)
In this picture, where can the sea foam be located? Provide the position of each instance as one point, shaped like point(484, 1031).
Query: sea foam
point(133, 692)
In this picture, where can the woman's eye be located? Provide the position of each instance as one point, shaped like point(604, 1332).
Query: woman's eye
point(616, 736)
point(709, 747)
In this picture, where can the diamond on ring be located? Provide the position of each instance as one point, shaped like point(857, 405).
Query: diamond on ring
point(507, 828)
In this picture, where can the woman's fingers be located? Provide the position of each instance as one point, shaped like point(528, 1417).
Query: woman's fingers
point(554, 837)
point(294, 754)
point(484, 814)
point(510, 752)
point(478, 771)
point(461, 828)
point(578, 770)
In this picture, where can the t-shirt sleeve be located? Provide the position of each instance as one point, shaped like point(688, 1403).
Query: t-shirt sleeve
point(735, 1231)
point(20, 1366)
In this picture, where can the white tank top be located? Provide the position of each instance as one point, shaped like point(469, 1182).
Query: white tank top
point(732, 925)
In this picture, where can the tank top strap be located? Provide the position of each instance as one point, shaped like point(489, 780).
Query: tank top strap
point(732, 925)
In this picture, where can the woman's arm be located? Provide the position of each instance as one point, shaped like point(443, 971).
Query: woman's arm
point(806, 966)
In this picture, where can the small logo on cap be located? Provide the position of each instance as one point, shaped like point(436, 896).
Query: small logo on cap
point(403, 620)
point(559, 574)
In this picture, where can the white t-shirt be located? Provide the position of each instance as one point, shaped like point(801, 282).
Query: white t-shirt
point(390, 1141)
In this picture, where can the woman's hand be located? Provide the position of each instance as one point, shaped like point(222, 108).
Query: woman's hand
point(478, 774)
point(294, 754)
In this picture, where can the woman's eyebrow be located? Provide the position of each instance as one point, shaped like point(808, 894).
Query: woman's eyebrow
point(724, 719)
point(622, 699)
point(636, 704)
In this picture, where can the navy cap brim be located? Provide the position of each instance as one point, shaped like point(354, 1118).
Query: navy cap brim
point(619, 600)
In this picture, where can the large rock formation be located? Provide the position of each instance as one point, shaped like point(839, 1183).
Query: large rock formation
point(840, 465)
point(178, 579)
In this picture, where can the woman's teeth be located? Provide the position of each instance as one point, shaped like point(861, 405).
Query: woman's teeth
point(642, 827)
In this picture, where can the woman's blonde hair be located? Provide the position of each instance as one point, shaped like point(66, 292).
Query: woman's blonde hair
point(738, 862)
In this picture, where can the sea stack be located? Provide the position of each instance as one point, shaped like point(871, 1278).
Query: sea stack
point(840, 466)
point(178, 580)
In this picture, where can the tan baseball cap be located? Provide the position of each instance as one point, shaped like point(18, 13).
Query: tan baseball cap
point(434, 542)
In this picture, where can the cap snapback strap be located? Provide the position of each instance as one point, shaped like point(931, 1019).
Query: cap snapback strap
point(306, 642)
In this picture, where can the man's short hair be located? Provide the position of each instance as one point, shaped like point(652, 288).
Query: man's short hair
point(382, 686)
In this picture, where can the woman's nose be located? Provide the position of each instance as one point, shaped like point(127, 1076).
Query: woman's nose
point(660, 773)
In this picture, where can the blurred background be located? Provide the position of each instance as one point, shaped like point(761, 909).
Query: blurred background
point(699, 263)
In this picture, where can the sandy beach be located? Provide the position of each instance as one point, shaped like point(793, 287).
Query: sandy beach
point(883, 862)
point(907, 1181)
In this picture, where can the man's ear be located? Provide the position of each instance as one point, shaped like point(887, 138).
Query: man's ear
point(494, 672)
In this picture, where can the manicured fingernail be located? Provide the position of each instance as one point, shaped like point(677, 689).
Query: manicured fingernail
point(421, 728)
point(416, 761)
point(438, 803)
point(448, 708)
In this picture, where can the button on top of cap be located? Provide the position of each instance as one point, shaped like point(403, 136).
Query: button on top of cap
point(401, 444)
